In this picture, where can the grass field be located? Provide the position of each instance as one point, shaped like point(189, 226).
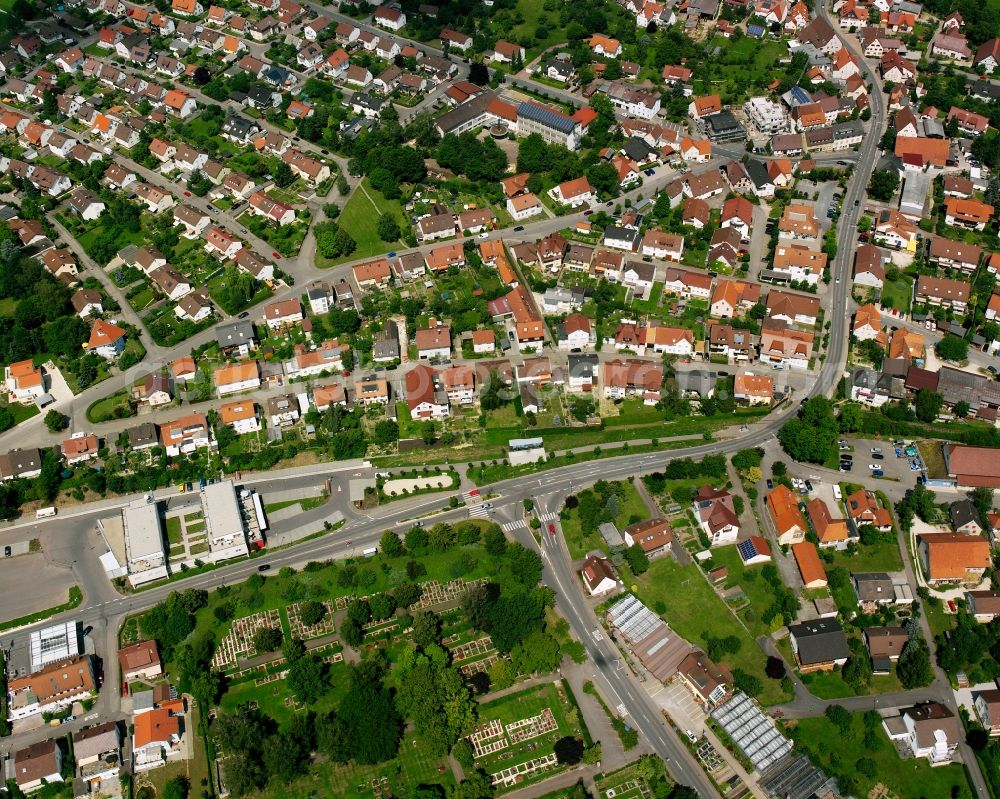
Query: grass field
point(897, 293)
point(105, 408)
point(685, 599)
point(881, 557)
point(758, 591)
point(516, 707)
point(632, 509)
point(838, 754)
point(360, 219)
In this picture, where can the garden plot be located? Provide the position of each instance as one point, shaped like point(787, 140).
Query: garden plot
point(434, 593)
point(306, 632)
point(515, 740)
point(237, 644)
point(473, 657)
point(633, 781)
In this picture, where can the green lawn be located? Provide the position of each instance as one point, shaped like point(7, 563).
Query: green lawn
point(881, 557)
point(360, 219)
point(830, 685)
point(21, 412)
point(685, 599)
point(173, 525)
point(524, 705)
point(114, 407)
point(632, 509)
point(838, 753)
point(759, 593)
point(897, 293)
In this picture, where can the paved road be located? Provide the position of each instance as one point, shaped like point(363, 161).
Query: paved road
point(550, 486)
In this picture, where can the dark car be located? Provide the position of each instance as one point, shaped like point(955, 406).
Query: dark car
point(243, 315)
point(770, 483)
point(519, 228)
point(264, 567)
point(878, 457)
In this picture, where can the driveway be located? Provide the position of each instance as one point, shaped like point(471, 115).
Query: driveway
point(676, 701)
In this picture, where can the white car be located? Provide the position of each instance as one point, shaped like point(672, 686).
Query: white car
point(874, 466)
point(484, 235)
point(876, 450)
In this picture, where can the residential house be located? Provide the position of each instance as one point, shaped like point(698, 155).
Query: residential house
point(140, 661)
point(753, 389)
point(156, 738)
point(949, 558)
point(715, 511)
point(885, 644)
point(106, 339)
point(37, 765)
point(55, 686)
point(599, 575)
point(283, 314)
point(788, 521)
point(810, 567)
point(819, 645)
point(829, 531)
point(186, 434)
point(653, 536)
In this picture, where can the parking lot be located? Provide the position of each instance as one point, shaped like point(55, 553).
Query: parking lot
point(899, 464)
point(677, 701)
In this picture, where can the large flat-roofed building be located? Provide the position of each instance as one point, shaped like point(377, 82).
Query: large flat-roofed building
point(553, 127)
point(226, 532)
point(59, 642)
point(145, 558)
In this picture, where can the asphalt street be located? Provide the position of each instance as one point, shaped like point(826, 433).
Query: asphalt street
point(103, 610)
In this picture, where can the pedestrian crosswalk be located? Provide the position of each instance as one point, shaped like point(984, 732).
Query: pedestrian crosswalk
point(478, 512)
point(548, 517)
point(510, 527)
point(472, 497)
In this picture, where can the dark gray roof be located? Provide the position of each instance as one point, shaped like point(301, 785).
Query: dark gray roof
point(723, 121)
point(873, 586)
point(20, 461)
point(848, 130)
point(962, 512)
point(238, 126)
point(985, 90)
point(369, 101)
point(757, 172)
point(698, 381)
point(820, 641)
point(235, 333)
point(142, 435)
point(637, 149)
point(583, 364)
point(956, 385)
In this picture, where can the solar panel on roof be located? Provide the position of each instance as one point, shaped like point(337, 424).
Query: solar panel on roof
point(549, 118)
point(746, 549)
